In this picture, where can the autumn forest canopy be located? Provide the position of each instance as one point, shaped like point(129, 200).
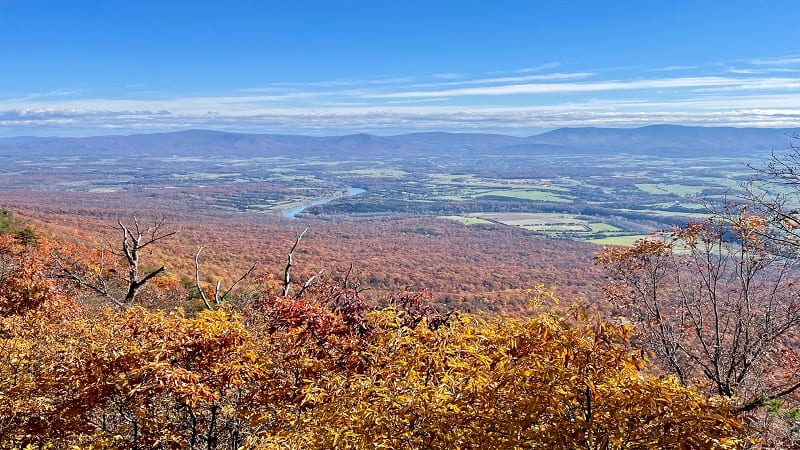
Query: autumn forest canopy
point(218, 291)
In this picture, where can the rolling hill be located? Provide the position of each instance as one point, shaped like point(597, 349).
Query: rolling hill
point(664, 140)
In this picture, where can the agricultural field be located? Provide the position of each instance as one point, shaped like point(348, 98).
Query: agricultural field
point(612, 199)
point(602, 198)
point(550, 224)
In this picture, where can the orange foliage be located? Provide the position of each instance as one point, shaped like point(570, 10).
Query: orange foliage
point(326, 371)
point(466, 268)
point(715, 306)
point(27, 280)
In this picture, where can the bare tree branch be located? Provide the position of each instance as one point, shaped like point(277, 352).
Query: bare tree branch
point(133, 240)
point(287, 272)
point(197, 278)
point(100, 287)
point(759, 402)
point(217, 297)
point(714, 304)
point(245, 275)
point(309, 283)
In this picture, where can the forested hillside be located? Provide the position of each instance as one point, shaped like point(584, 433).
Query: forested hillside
point(103, 347)
point(215, 327)
point(487, 268)
point(301, 363)
point(125, 328)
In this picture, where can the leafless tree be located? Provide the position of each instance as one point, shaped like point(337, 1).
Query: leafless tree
point(287, 271)
point(715, 306)
point(134, 239)
point(774, 193)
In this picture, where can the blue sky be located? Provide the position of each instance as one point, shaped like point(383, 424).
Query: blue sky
point(387, 67)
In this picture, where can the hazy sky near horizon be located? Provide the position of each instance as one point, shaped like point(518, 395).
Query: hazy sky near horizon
point(386, 67)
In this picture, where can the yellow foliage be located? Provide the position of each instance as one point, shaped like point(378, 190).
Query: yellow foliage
point(307, 378)
point(502, 384)
point(154, 379)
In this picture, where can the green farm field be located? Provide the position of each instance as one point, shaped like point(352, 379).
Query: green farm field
point(603, 198)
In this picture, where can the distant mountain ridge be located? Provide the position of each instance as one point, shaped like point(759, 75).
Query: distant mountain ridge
point(669, 140)
point(665, 138)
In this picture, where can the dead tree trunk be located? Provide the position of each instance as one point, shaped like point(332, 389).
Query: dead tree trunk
point(287, 272)
point(134, 240)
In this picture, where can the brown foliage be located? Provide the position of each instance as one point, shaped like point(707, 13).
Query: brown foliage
point(715, 306)
point(466, 268)
point(325, 371)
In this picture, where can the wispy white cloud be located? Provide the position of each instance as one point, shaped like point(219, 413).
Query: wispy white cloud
point(755, 84)
point(780, 61)
point(418, 100)
point(512, 102)
point(394, 121)
point(447, 76)
point(761, 71)
point(672, 68)
point(283, 86)
point(56, 93)
point(515, 79)
point(611, 85)
point(392, 80)
point(539, 68)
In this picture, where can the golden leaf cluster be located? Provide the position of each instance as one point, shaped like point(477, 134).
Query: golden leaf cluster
point(299, 373)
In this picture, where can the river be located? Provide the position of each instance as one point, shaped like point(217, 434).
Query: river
point(292, 213)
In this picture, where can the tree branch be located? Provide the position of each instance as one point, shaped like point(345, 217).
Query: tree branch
point(308, 283)
point(758, 402)
point(287, 272)
point(217, 298)
point(197, 278)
